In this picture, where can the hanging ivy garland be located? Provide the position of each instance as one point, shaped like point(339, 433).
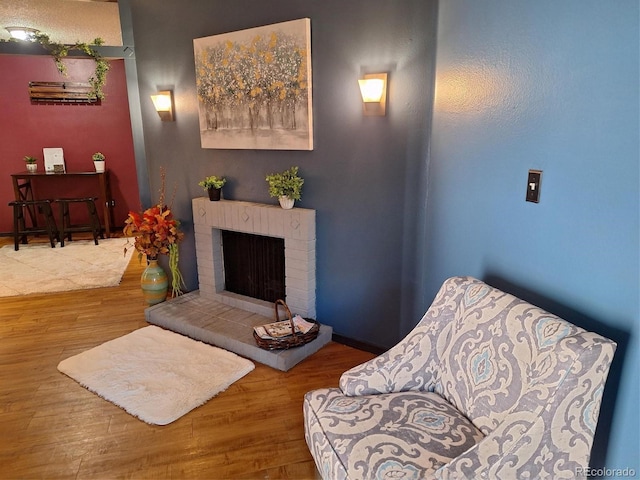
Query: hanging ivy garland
point(59, 51)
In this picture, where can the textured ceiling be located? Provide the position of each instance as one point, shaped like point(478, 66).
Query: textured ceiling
point(65, 21)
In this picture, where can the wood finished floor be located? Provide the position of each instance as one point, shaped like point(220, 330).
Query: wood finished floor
point(52, 428)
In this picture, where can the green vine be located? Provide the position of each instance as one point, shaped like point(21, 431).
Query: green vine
point(59, 51)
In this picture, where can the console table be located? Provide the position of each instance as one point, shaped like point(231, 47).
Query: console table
point(23, 187)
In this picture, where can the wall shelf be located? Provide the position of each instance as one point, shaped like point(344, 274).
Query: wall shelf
point(61, 92)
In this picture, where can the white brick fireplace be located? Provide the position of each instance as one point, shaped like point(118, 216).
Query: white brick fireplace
point(298, 229)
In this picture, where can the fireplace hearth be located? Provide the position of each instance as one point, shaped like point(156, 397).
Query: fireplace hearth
point(226, 319)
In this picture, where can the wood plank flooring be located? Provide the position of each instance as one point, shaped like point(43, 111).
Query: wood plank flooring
point(51, 427)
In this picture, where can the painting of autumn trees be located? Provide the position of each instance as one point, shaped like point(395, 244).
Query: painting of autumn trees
point(254, 88)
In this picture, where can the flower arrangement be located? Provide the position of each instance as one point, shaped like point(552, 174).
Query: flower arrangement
point(213, 182)
point(98, 157)
point(156, 232)
point(30, 160)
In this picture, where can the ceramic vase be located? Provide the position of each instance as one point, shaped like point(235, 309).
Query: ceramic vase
point(99, 166)
point(154, 283)
point(286, 202)
point(32, 167)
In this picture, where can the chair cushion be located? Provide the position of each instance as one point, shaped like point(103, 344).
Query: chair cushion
point(407, 434)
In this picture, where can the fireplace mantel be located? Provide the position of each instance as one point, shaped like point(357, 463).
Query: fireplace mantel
point(296, 226)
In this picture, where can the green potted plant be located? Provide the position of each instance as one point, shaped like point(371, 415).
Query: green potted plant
point(98, 161)
point(32, 166)
point(213, 185)
point(286, 186)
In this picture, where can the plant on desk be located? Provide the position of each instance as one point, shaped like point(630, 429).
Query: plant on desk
point(98, 161)
point(31, 163)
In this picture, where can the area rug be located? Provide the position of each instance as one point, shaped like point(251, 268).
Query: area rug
point(155, 374)
point(80, 264)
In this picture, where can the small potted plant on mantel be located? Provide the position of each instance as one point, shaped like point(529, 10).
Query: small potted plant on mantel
point(32, 166)
point(286, 186)
point(98, 162)
point(213, 185)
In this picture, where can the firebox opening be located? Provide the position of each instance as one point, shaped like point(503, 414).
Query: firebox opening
point(254, 265)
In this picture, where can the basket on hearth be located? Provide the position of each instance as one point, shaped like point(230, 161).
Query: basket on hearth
point(287, 333)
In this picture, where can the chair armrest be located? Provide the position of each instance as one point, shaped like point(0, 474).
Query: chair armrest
point(522, 447)
point(409, 365)
point(549, 433)
point(413, 363)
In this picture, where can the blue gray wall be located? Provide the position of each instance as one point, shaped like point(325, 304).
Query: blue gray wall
point(363, 175)
point(550, 85)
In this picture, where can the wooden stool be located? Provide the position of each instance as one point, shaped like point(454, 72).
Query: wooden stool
point(67, 228)
point(20, 229)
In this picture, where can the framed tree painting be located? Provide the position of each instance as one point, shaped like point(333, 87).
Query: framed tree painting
point(254, 88)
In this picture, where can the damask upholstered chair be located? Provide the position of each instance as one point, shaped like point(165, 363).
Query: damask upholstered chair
point(485, 386)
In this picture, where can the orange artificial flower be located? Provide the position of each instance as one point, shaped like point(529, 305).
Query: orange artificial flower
point(155, 233)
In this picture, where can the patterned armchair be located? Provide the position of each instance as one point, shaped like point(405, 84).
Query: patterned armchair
point(485, 386)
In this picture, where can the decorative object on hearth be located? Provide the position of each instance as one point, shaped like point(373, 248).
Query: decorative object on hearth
point(213, 186)
point(254, 87)
point(31, 164)
point(290, 332)
point(154, 374)
point(154, 283)
point(156, 232)
point(286, 186)
point(98, 162)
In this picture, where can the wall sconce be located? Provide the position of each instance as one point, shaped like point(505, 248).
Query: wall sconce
point(22, 33)
point(163, 101)
point(373, 88)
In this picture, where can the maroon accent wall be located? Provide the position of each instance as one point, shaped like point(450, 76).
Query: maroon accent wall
point(80, 129)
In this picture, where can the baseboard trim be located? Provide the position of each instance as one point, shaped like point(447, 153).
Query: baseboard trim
point(350, 342)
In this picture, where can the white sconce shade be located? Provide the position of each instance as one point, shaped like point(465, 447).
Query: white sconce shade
point(373, 88)
point(163, 102)
point(22, 33)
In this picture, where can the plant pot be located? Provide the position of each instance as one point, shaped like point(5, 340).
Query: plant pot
point(286, 202)
point(32, 167)
point(154, 283)
point(99, 166)
point(214, 194)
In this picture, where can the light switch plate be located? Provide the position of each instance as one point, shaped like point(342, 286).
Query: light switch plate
point(533, 186)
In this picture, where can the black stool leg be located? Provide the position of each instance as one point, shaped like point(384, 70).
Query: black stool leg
point(17, 209)
point(63, 220)
point(22, 224)
point(50, 223)
point(96, 228)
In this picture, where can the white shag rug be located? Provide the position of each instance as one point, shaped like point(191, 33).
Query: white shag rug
point(80, 264)
point(155, 374)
